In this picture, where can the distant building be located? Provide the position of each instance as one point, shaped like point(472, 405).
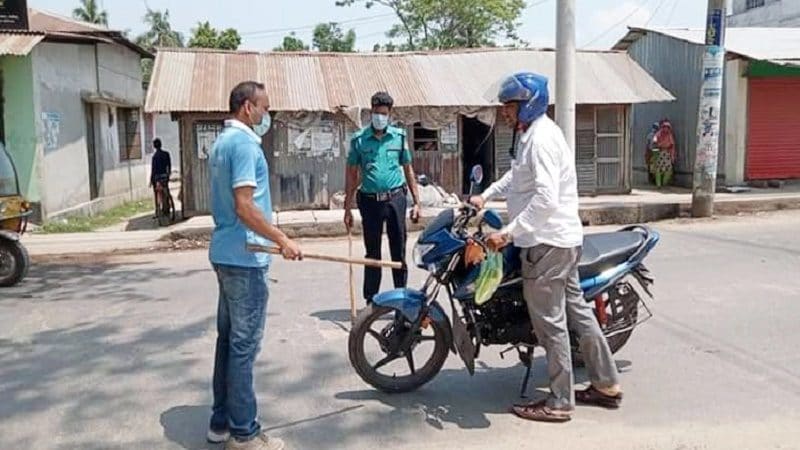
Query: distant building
point(761, 91)
point(319, 99)
point(765, 13)
point(71, 115)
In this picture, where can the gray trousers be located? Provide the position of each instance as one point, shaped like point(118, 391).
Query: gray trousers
point(552, 290)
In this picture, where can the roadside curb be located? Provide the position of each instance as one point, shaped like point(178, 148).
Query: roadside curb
point(622, 214)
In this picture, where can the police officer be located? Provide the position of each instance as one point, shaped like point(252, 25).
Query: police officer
point(379, 157)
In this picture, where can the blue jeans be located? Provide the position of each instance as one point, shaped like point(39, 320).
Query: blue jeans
point(241, 315)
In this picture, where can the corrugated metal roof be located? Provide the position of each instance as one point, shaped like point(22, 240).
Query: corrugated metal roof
point(46, 21)
point(18, 44)
point(778, 45)
point(200, 80)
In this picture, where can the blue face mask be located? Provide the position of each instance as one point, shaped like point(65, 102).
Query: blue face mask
point(380, 121)
point(262, 128)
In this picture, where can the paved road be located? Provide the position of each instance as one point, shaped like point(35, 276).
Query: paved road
point(117, 353)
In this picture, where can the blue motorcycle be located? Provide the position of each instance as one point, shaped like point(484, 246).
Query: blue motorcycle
point(401, 341)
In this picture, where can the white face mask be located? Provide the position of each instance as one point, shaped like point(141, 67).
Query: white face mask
point(380, 121)
point(262, 128)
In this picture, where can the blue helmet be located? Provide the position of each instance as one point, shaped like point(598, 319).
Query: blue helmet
point(530, 90)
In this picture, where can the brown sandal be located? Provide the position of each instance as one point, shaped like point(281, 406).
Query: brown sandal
point(539, 412)
point(592, 397)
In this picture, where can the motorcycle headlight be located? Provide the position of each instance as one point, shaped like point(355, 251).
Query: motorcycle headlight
point(420, 250)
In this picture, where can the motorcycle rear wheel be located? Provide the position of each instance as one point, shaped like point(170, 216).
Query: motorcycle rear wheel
point(442, 343)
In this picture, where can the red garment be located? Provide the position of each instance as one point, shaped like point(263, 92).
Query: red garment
point(665, 139)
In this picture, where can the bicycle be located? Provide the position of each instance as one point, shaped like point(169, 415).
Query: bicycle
point(165, 205)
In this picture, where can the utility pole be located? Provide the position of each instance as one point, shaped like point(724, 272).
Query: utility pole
point(565, 69)
point(705, 166)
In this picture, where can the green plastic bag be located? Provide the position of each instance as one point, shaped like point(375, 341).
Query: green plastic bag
point(489, 278)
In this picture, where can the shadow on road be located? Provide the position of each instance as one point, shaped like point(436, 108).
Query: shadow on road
point(98, 280)
point(338, 317)
point(186, 426)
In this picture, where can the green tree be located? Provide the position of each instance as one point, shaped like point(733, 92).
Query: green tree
point(90, 11)
point(291, 43)
point(159, 34)
point(443, 24)
point(205, 36)
point(329, 37)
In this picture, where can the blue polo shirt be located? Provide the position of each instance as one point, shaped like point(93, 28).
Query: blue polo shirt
point(380, 160)
point(237, 160)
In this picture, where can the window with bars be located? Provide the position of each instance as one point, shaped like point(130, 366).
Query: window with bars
point(751, 4)
point(130, 142)
point(425, 139)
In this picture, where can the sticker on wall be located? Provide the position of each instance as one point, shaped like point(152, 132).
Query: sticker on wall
point(318, 140)
point(449, 134)
point(205, 135)
point(51, 126)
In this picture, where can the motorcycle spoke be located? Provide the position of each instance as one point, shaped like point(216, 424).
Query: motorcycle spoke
point(410, 359)
point(377, 336)
point(385, 361)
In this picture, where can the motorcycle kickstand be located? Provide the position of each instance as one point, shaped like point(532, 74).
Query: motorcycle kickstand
point(527, 358)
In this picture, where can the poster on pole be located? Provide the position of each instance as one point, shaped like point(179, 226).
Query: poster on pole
point(710, 105)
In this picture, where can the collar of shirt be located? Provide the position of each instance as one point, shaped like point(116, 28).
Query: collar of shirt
point(234, 123)
point(528, 134)
point(387, 132)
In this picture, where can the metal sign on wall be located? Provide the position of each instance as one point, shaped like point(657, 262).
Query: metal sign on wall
point(13, 15)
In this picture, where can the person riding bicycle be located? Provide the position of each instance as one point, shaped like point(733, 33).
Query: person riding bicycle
point(160, 170)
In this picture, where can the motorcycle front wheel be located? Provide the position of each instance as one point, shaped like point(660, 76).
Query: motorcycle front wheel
point(383, 357)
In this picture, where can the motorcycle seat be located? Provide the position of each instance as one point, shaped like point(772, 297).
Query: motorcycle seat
point(603, 251)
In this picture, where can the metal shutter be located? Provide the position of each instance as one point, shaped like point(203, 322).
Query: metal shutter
point(773, 142)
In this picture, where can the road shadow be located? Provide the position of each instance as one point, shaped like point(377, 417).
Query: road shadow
point(456, 398)
point(99, 280)
point(338, 317)
point(186, 426)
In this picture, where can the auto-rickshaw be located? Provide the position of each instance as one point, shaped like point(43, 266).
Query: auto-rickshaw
point(14, 212)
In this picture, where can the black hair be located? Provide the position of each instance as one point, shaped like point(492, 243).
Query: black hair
point(244, 91)
point(382, 99)
point(157, 143)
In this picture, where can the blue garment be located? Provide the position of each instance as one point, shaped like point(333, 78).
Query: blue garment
point(241, 315)
point(237, 160)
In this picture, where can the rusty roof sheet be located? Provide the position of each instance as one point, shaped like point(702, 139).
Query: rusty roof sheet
point(18, 44)
point(49, 22)
point(192, 80)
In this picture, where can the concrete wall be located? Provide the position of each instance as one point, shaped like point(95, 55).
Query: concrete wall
point(18, 118)
point(774, 13)
point(735, 119)
point(62, 74)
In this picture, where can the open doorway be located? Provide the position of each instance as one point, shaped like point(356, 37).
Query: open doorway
point(478, 148)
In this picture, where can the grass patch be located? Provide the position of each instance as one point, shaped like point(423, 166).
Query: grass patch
point(113, 216)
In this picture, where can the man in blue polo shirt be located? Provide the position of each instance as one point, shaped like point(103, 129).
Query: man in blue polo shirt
point(379, 155)
point(242, 211)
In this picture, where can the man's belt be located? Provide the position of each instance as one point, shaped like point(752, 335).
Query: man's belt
point(384, 196)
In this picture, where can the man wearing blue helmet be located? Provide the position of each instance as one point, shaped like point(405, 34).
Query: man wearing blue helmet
point(542, 194)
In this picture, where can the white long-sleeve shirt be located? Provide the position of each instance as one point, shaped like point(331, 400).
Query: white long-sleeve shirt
point(541, 189)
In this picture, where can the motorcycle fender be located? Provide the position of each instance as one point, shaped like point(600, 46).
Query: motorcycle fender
point(409, 303)
point(10, 235)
